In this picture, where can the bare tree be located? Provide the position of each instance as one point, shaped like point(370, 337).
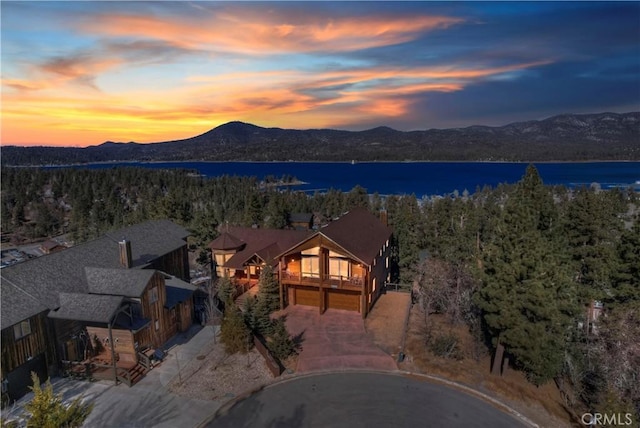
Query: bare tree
point(213, 313)
point(444, 288)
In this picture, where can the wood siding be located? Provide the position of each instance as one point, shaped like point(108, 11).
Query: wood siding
point(16, 352)
point(175, 263)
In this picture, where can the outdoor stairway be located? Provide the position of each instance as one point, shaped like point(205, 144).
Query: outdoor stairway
point(132, 375)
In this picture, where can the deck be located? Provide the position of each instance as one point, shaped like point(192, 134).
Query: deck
point(353, 283)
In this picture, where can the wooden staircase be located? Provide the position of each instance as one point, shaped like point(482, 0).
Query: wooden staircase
point(132, 375)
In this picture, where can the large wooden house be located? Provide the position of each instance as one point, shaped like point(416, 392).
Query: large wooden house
point(98, 307)
point(343, 265)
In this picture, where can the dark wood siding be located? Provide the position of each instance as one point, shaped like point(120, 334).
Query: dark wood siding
point(175, 263)
point(16, 352)
point(152, 303)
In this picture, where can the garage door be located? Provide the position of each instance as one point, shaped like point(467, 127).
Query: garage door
point(340, 299)
point(307, 296)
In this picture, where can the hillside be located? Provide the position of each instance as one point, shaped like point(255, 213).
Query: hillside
point(570, 137)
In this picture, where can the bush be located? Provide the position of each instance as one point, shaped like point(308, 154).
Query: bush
point(46, 409)
point(445, 346)
point(280, 342)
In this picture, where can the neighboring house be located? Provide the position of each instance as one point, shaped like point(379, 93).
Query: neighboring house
point(100, 303)
point(50, 246)
point(301, 221)
point(240, 252)
point(343, 265)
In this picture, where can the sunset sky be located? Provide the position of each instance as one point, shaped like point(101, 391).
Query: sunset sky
point(81, 73)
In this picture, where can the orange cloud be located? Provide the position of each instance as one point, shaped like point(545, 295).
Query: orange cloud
point(245, 32)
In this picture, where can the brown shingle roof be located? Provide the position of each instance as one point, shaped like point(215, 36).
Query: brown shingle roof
point(360, 233)
point(265, 243)
point(226, 241)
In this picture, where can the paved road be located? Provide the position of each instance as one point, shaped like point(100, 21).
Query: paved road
point(355, 399)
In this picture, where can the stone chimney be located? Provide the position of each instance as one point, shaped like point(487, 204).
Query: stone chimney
point(125, 253)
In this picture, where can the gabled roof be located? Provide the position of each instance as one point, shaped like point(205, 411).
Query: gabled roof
point(17, 305)
point(43, 278)
point(86, 307)
point(117, 282)
point(300, 217)
point(265, 243)
point(178, 291)
point(360, 233)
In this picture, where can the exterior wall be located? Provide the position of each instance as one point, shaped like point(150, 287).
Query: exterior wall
point(325, 274)
point(122, 339)
point(152, 303)
point(220, 258)
point(175, 263)
point(379, 275)
point(20, 356)
point(70, 345)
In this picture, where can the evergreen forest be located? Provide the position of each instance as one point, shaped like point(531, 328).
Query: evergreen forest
point(519, 264)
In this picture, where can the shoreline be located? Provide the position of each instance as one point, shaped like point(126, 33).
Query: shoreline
point(352, 162)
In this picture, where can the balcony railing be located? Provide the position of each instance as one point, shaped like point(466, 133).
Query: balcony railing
point(334, 281)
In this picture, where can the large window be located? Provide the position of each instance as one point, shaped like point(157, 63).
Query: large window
point(311, 266)
point(339, 267)
point(22, 329)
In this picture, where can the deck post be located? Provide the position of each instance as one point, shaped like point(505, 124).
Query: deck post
point(113, 355)
point(280, 285)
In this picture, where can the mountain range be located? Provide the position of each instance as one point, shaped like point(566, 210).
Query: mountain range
point(568, 137)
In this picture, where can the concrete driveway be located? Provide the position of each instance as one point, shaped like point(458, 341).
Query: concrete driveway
point(335, 340)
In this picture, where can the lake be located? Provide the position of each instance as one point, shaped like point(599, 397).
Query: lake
point(419, 178)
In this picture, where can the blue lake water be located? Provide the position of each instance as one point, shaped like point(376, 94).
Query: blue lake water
point(419, 178)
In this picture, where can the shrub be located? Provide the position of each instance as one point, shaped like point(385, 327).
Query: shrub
point(445, 346)
point(46, 409)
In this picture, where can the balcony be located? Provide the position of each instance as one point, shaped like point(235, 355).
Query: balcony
point(327, 281)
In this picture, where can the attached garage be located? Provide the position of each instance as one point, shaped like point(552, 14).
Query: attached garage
point(307, 296)
point(341, 299)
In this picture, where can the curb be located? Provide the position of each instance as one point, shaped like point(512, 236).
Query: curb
point(402, 373)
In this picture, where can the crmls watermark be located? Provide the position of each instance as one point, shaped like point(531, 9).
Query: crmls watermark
point(600, 419)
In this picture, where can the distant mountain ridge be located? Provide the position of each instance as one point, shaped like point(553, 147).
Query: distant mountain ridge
point(567, 137)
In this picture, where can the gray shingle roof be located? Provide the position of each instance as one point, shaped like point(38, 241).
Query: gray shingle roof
point(42, 279)
point(178, 291)
point(117, 282)
point(86, 307)
point(17, 305)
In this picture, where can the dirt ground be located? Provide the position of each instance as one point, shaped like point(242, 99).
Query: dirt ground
point(542, 405)
point(216, 376)
point(385, 323)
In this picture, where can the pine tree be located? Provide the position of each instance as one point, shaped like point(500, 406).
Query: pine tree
point(269, 291)
point(235, 334)
point(528, 299)
point(226, 290)
point(47, 410)
point(280, 342)
point(626, 284)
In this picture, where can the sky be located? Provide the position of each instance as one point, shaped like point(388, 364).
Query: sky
point(81, 73)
